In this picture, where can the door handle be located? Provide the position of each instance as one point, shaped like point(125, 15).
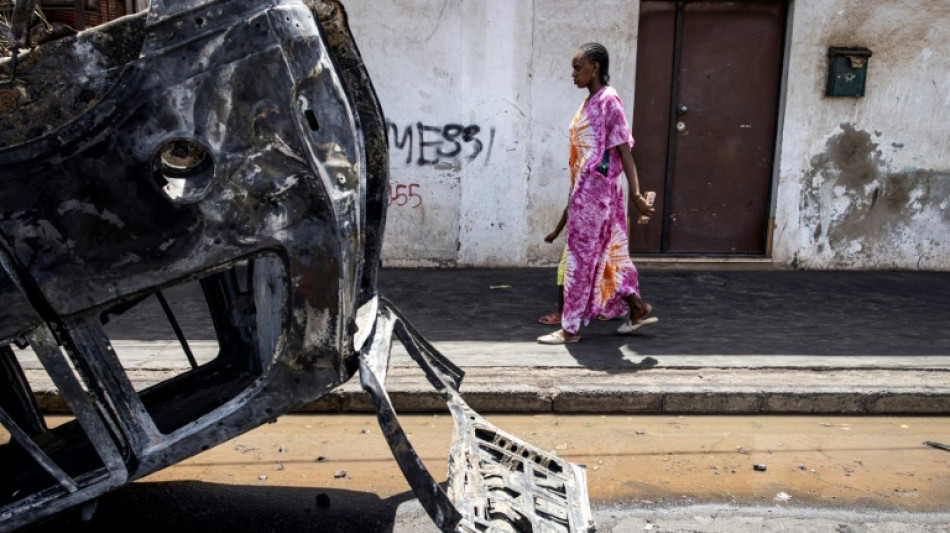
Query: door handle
point(682, 109)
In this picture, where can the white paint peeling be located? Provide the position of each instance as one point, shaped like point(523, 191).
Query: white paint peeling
point(841, 206)
point(93, 61)
point(280, 145)
point(317, 326)
point(281, 185)
point(276, 224)
point(90, 209)
point(125, 260)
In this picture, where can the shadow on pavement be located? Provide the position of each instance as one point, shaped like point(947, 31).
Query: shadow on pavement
point(193, 506)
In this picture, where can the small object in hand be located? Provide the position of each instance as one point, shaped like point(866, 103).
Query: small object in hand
point(648, 197)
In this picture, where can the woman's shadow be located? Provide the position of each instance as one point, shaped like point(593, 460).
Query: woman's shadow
point(602, 348)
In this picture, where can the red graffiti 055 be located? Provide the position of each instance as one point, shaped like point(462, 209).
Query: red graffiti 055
point(402, 194)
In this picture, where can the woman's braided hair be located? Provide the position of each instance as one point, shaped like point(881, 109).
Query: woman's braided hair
point(597, 53)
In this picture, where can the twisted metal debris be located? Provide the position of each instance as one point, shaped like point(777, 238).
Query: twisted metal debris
point(238, 145)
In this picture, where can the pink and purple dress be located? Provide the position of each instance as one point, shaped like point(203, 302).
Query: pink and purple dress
point(599, 272)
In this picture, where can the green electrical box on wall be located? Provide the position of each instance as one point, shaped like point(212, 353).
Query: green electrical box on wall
point(847, 71)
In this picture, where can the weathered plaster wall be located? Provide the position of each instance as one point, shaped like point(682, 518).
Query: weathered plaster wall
point(479, 97)
point(414, 54)
point(560, 27)
point(865, 182)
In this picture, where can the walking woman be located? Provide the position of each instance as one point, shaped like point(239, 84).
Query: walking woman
point(599, 276)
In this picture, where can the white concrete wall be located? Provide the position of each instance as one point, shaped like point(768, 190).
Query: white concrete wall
point(560, 27)
point(865, 182)
point(504, 68)
point(414, 54)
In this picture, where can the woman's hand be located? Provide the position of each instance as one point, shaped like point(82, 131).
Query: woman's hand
point(560, 226)
point(641, 204)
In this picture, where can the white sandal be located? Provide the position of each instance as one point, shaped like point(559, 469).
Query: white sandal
point(558, 337)
point(631, 326)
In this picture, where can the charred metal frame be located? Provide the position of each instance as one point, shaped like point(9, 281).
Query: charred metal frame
point(208, 140)
point(496, 482)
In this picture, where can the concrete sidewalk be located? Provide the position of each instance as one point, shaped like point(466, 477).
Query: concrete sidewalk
point(738, 342)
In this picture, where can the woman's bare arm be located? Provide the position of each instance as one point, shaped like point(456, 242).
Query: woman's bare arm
point(633, 181)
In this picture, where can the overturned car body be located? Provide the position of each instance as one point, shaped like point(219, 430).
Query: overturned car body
point(239, 145)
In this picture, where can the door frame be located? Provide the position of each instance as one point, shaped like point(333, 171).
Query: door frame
point(780, 125)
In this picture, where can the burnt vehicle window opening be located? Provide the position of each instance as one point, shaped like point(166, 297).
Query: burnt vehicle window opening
point(42, 447)
point(219, 350)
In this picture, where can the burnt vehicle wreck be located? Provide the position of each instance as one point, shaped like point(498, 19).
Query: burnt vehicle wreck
point(237, 145)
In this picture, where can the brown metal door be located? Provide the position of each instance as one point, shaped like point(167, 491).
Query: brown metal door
point(704, 119)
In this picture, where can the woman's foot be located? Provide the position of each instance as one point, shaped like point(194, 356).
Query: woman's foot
point(553, 319)
point(630, 326)
point(559, 337)
point(639, 309)
point(638, 316)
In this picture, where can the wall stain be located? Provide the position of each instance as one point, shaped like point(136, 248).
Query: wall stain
point(862, 211)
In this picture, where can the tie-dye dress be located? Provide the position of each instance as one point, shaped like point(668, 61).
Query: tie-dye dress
point(599, 272)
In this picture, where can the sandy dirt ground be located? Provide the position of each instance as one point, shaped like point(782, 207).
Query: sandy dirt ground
point(876, 463)
point(335, 473)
